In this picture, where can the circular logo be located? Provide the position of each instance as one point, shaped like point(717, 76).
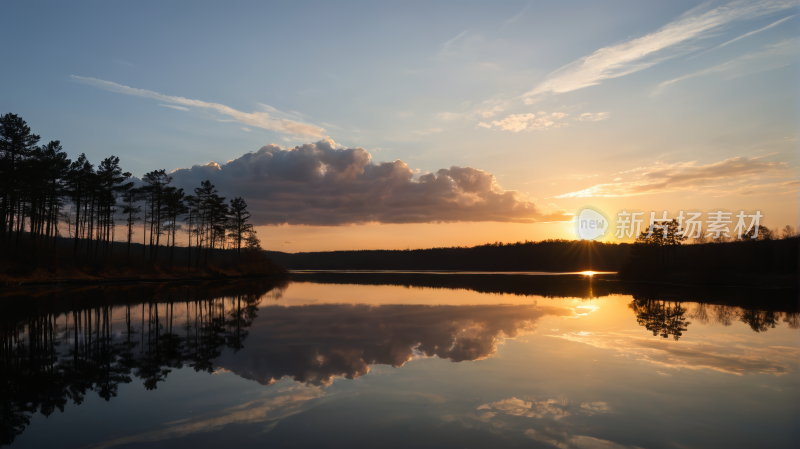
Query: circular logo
point(590, 224)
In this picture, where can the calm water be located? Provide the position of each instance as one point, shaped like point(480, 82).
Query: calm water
point(319, 362)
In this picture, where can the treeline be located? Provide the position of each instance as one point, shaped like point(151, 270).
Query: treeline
point(547, 255)
point(39, 182)
point(765, 260)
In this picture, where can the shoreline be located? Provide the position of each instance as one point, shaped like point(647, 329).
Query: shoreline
point(136, 280)
point(786, 282)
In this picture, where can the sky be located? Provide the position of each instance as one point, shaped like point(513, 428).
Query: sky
point(356, 125)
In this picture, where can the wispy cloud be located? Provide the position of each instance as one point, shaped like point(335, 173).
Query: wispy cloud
point(268, 411)
point(638, 54)
point(773, 57)
point(485, 109)
point(517, 15)
point(593, 117)
point(172, 106)
point(527, 122)
point(744, 36)
point(463, 44)
point(720, 178)
point(258, 119)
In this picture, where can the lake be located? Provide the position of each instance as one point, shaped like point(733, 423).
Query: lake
point(399, 360)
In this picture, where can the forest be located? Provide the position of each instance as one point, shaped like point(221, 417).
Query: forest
point(62, 215)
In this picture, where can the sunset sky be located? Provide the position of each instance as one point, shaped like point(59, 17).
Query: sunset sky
point(411, 125)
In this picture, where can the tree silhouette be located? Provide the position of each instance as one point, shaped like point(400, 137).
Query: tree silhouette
point(38, 182)
point(239, 227)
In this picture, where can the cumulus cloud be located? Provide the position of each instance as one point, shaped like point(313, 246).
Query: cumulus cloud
point(257, 118)
point(320, 184)
point(733, 174)
point(638, 54)
point(527, 122)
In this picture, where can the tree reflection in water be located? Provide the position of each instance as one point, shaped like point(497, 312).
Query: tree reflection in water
point(669, 318)
point(662, 318)
point(51, 358)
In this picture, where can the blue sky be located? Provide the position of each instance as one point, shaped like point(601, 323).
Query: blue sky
point(553, 99)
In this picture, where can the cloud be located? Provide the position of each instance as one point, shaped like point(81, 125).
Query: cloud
point(704, 353)
point(313, 344)
point(270, 410)
point(527, 122)
point(593, 117)
point(718, 178)
point(517, 15)
point(744, 36)
point(180, 108)
point(549, 414)
point(557, 409)
point(773, 57)
point(258, 119)
point(319, 184)
point(464, 44)
point(564, 439)
point(638, 54)
point(485, 109)
point(595, 408)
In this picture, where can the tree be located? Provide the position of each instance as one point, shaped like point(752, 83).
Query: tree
point(130, 197)
point(156, 182)
point(253, 242)
point(192, 211)
point(16, 144)
point(764, 233)
point(661, 235)
point(788, 232)
point(174, 207)
point(110, 180)
point(239, 227)
point(49, 170)
point(78, 182)
point(212, 218)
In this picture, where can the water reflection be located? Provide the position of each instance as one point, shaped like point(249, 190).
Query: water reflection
point(664, 318)
point(315, 343)
point(60, 345)
point(60, 350)
point(669, 318)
